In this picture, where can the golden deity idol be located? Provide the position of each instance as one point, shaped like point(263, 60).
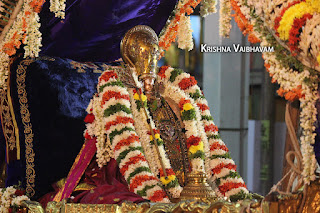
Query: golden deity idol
point(140, 51)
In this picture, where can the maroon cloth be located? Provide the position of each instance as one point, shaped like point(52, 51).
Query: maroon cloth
point(111, 187)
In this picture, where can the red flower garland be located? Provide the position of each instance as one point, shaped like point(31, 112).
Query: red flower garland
point(158, 196)
point(193, 141)
point(294, 33)
point(203, 107)
point(132, 160)
point(125, 142)
point(107, 75)
point(169, 172)
point(119, 120)
point(229, 185)
point(112, 94)
point(171, 33)
point(217, 169)
point(211, 127)
point(187, 82)
point(162, 71)
point(87, 136)
point(216, 146)
point(138, 180)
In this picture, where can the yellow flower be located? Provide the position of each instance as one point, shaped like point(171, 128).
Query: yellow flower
point(157, 136)
point(143, 98)
point(318, 58)
point(136, 96)
point(167, 180)
point(187, 106)
point(194, 149)
point(296, 11)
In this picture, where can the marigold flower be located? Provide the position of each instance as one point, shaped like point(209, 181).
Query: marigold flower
point(168, 179)
point(136, 96)
point(194, 149)
point(143, 97)
point(187, 106)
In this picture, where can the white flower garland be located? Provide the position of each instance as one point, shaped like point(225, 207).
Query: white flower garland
point(58, 7)
point(185, 33)
point(25, 29)
point(216, 153)
point(116, 137)
point(8, 199)
point(289, 79)
point(207, 7)
point(225, 18)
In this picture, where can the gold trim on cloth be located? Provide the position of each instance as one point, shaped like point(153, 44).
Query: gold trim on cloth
point(25, 115)
point(126, 207)
point(9, 123)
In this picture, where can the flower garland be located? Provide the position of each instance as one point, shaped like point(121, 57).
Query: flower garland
point(112, 117)
point(11, 199)
point(170, 182)
point(181, 18)
point(58, 8)
point(185, 34)
point(203, 136)
point(138, 165)
point(207, 7)
point(225, 18)
point(295, 12)
point(242, 21)
point(295, 79)
point(24, 30)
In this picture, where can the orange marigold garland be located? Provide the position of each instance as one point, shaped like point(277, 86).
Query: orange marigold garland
point(170, 31)
point(243, 23)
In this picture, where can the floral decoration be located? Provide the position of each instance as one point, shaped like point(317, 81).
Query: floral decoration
point(205, 147)
point(11, 199)
point(178, 24)
point(293, 29)
point(111, 122)
point(58, 7)
point(122, 132)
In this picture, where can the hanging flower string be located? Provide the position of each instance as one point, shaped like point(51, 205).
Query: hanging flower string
point(297, 23)
point(178, 25)
point(114, 127)
point(58, 7)
point(225, 18)
point(203, 141)
point(24, 30)
point(169, 181)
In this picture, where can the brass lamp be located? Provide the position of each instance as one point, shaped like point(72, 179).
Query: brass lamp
point(197, 187)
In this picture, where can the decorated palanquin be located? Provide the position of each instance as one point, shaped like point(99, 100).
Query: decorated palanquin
point(137, 146)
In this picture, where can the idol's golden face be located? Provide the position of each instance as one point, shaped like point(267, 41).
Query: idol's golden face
point(148, 84)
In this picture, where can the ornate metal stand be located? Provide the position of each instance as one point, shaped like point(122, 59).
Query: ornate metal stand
point(197, 187)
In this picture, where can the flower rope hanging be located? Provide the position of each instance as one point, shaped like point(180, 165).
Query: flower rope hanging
point(179, 25)
point(111, 112)
point(293, 29)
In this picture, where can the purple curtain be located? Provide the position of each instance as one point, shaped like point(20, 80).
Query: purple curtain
point(93, 29)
